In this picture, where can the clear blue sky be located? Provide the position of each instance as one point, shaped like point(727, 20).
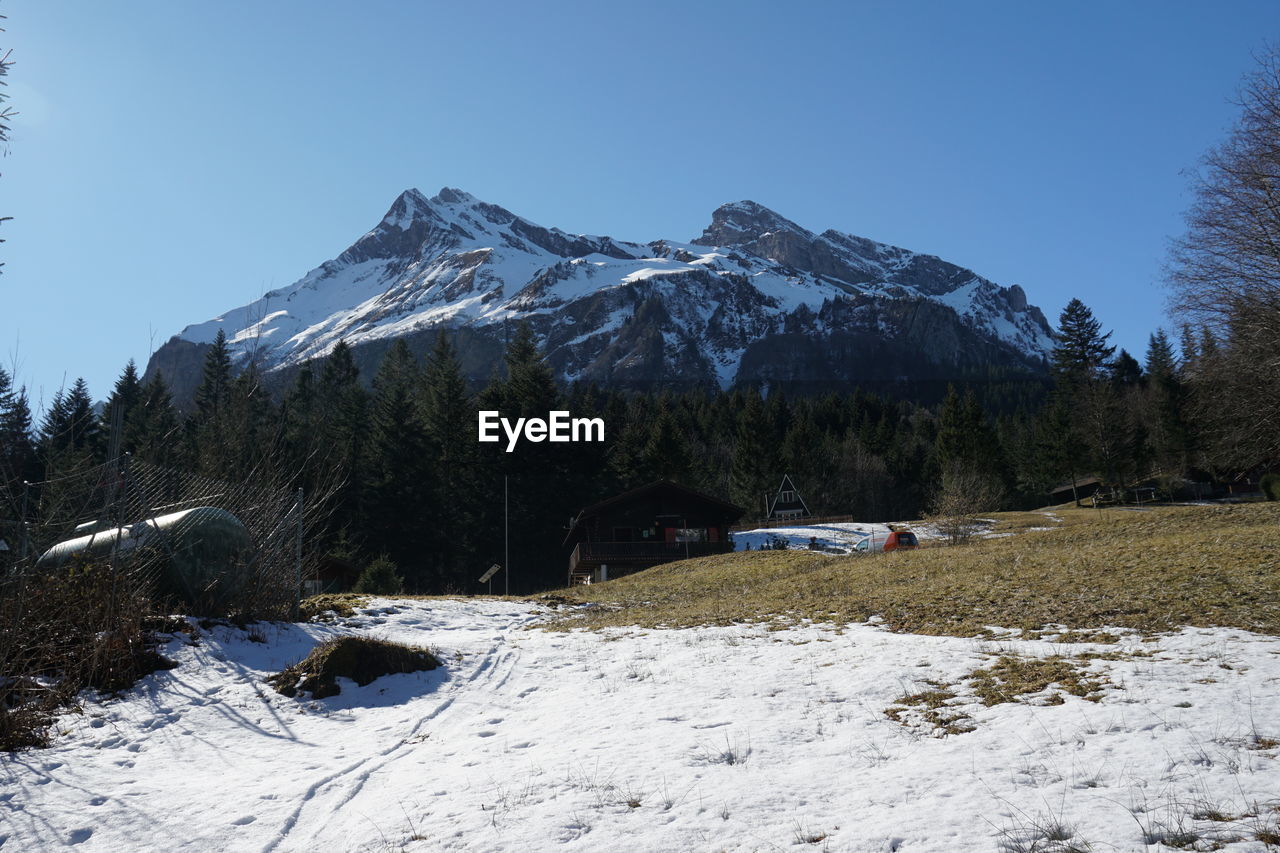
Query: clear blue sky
point(174, 159)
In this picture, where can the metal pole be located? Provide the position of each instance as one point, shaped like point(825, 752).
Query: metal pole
point(22, 522)
point(121, 488)
point(297, 557)
point(506, 537)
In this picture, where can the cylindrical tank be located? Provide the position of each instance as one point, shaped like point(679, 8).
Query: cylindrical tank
point(202, 553)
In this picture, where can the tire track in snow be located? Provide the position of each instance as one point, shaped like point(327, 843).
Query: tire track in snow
point(486, 673)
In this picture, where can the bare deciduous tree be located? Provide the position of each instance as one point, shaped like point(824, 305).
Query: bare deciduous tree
point(965, 494)
point(1225, 274)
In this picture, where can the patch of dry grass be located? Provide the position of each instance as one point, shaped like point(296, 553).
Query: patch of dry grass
point(1154, 570)
point(1012, 677)
point(362, 659)
point(931, 710)
point(330, 605)
point(940, 709)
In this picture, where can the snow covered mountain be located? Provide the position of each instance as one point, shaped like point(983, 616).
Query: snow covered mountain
point(754, 298)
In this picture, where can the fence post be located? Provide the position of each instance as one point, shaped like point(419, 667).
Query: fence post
point(297, 557)
point(121, 487)
point(22, 523)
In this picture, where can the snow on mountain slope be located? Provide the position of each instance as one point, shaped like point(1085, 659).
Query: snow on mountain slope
point(603, 307)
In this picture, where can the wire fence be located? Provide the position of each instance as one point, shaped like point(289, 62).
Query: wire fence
point(207, 546)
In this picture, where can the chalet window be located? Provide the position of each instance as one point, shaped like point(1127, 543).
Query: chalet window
point(787, 496)
point(691, 534)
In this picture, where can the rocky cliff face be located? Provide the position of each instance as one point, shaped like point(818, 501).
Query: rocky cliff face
point(754, 298)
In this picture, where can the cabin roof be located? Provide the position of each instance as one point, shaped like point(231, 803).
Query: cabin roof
point(787, 485)
point(733, 511)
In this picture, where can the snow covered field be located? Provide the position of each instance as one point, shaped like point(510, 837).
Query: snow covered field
point(837, 537)
point(735, 738)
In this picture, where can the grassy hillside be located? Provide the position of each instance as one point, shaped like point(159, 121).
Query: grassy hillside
point(1149, 570)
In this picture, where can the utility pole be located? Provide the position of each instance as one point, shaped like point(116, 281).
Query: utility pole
point(506, 537)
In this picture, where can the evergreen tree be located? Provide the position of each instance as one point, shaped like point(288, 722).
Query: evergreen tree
point(530, 389)
point(1160, 359)
point(801, 456)
point(215, 380)
point(754, 473)
point(253, 430)
point(397, 474)
point(446, 410)
point(1081, 351)
point(1165, 409)
point(666, 454)
point(1125, 370)
point(18, 459)
point(1190, 352)
point(965, 437)
point(126, 398)
point(157, 431)
point(339, 426)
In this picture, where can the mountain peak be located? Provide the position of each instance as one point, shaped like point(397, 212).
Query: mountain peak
point(452, 195)
point(741, 222)
point(406, 208)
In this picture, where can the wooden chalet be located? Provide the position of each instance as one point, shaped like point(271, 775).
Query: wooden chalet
point(658, 523)
point(786, 503)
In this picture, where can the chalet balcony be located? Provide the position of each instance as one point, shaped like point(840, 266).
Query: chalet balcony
point(633, 556)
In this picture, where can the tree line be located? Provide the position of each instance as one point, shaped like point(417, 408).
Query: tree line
point(397, 458)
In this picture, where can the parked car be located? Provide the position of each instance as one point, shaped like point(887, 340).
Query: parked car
point(897, 540)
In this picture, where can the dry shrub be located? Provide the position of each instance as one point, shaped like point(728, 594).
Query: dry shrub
point(965, 494)
point(361, 659)
point(62, 632)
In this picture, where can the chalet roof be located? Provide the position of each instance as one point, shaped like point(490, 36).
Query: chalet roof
point(787, 485)
point(1080, 483)
point(659, 485)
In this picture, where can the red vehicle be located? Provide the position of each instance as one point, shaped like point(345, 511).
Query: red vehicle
point(895, 540)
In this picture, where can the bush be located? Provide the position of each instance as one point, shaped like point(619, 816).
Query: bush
point(82, 626)
point(965, 493)
point(362, 659)
point(1271, 486)
point(380, 578)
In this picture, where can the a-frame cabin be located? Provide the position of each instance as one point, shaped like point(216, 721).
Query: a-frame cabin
point(786, 504)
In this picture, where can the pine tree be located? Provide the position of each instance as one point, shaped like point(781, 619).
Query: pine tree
point(1125, 370)
point(18, 459)
point(397, 473)
point(1082, 351)
point(666, 454)
point(448, 417)
point(1160, 360)
point(801, 456)
point(1166, 407)
point(753, 473)
point(446, 409)
point(954, 442)
point(253, 430)
point(126, 398)
point(340, 427)
point(215, 382)
point(531, 386)
point(157, 430)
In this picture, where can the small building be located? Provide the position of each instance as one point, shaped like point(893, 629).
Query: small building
point(786, 503)
point(1084, 488)
point(654, 524)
